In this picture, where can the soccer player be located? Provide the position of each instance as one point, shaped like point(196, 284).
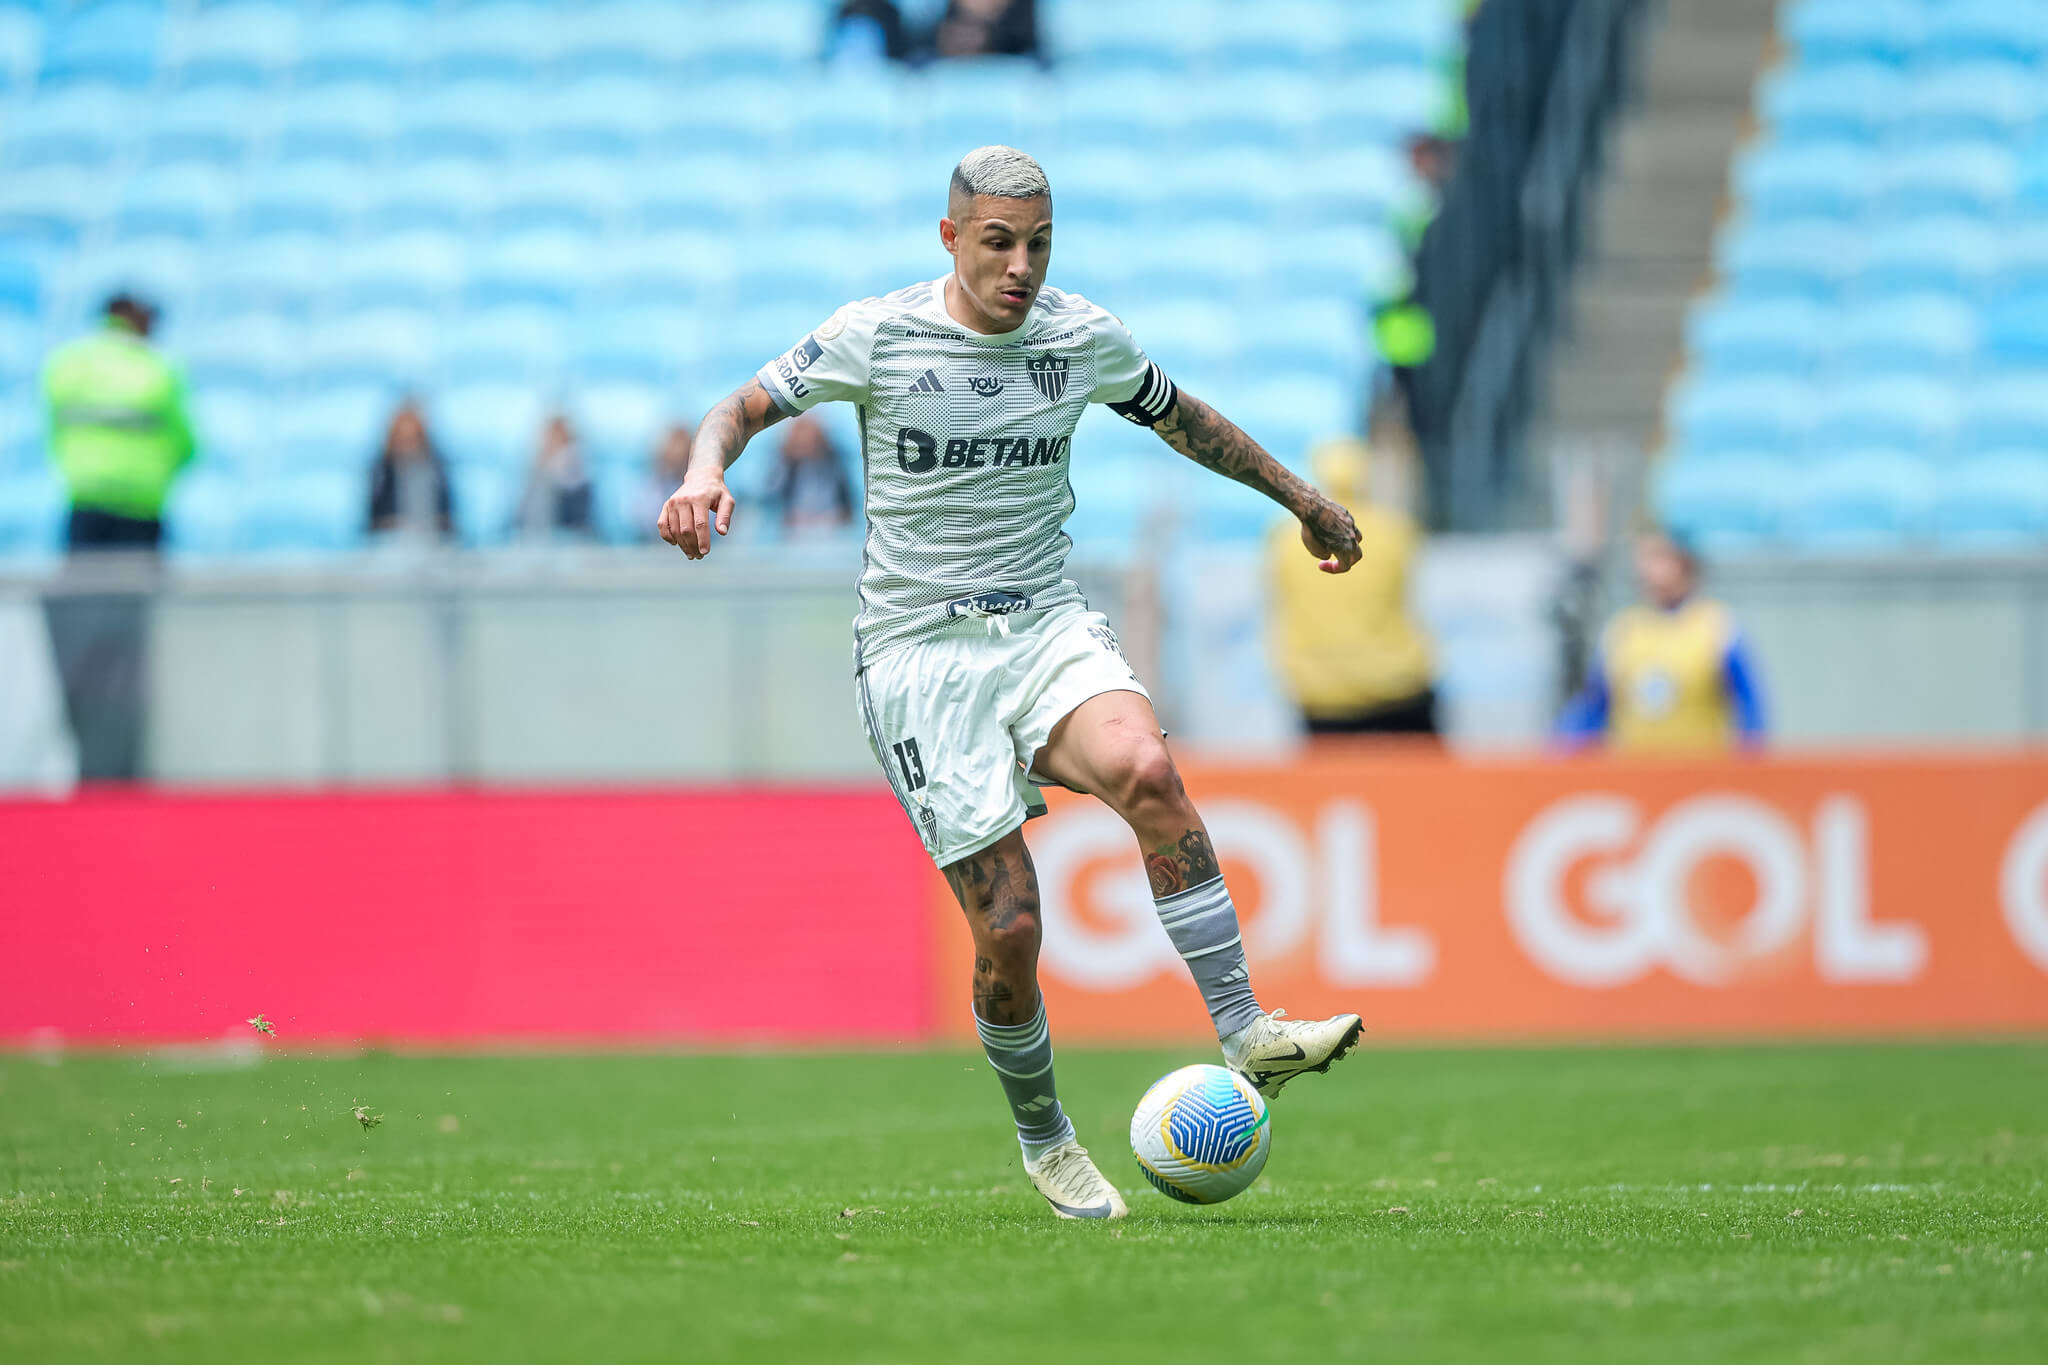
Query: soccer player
point(979, 669)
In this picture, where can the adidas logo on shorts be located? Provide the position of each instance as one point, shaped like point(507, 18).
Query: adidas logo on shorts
point(928, 382)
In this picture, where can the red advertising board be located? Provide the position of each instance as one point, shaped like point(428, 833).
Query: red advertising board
point(726, 917)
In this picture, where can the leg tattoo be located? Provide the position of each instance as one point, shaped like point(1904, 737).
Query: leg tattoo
point(1188, 861)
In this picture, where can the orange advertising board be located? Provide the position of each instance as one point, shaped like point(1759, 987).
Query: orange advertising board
point(1449, 899)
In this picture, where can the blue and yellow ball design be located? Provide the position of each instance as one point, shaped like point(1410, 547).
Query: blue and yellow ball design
point(1201, 1134)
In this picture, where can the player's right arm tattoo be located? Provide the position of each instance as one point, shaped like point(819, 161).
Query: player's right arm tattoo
point(1212, 440)
point(733, 421)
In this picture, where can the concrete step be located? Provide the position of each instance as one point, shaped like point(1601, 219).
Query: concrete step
point(1709, 68)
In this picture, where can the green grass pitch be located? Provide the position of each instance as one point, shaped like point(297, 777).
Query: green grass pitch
point(1811, 1204)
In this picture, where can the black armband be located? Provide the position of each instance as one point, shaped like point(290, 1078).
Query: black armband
point(1155, 398)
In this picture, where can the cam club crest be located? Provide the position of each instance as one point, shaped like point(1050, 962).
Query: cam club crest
point(1048, 375)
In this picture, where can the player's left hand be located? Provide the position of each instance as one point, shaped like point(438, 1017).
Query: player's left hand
point(1331, 535)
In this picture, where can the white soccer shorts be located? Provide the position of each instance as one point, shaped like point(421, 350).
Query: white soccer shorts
point(955, 720)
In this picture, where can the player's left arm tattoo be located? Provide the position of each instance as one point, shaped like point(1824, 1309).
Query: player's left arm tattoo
point(1212, 440)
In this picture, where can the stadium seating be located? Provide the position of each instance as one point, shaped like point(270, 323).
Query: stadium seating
point(1877, 347)
point(627, 205)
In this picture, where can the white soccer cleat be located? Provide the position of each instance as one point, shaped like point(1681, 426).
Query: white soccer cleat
point(1072, 1185)
point(1275, 1050)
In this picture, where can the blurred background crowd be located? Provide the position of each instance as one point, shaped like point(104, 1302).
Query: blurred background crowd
point(385, 323)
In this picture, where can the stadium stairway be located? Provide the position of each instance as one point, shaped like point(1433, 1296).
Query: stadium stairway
point(1653, 230)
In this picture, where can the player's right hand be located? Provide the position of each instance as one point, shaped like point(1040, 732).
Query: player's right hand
point(692, 510)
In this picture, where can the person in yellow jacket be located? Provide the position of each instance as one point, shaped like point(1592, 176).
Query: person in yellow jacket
point(1674, 674)
point(119, 431)
point(1347, 648)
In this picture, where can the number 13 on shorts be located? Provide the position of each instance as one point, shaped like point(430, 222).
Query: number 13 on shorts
point(908, 759)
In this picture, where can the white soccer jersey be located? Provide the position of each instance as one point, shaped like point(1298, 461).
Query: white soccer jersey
point(965, 440)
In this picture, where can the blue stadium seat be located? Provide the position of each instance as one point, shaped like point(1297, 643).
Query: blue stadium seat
point(21, 45)
point(419, 269)
point(1112, 499)
point(774, 39)
point(621, 420)
point(1712, 416)
point(232, 423)
point(113, 41)
point(21, 288)
point(381, 348)
point(507, 343)
point(622, 505)
point(475, 120)
point(246, 43)
point(1828, 31)
point(641, 39)
point(1384, 36)
point(606, 117)
point(188, 202)
point(546, 269)
point(310, 197)
point(251, 349)
point(1868, 501)
point(48, 209)
point(1952, 178)
point(487, 422)
point(1722, 504)
point(1985, 102)
point(21, 355)
point(503, 40)
point(645, 344)
point(2006, 412)
point(1891, 413)
point(299, 512)
point(582, 196)
point(2021, 258)
point(1734, 336)
point(1852, 102)
point(372, 40)
point(166, 270)
point(204, 514)
point(1982, 30)
point(83, 127)
point(1917, 334)
point(212, 126)
point(334, 427)
point(1943, 256)
point(447, 197)
point(32, 512)
point(1142, 110)
point(1806, 259)
point(2016, 332)
point(21, 429)
point(1341, 260)
point(486, 499)
point(343, 120)
point(1995, 503)
point(676, 270)
point(1781, 182)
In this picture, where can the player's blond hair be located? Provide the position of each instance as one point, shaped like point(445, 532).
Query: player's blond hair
point(1001, 171)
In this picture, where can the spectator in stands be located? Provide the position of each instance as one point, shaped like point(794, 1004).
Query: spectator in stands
point(557, 501)
point(987, 28)
point(865, 30)
point(664, 476)
point(808, 483)
point(119, 431)
point(1347, 648)
point(409, 494)
point(1674, 674)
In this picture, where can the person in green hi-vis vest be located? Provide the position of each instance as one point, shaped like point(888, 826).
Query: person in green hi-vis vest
point(119, 431)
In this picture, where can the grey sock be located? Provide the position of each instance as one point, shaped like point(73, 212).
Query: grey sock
point(1202, 923)
point(1022, 1057)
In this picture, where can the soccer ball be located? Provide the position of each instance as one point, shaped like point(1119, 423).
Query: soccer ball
point(1200, 1134)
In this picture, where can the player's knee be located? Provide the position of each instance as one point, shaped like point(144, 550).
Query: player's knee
point(1144, 778)
point(1013, 933)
